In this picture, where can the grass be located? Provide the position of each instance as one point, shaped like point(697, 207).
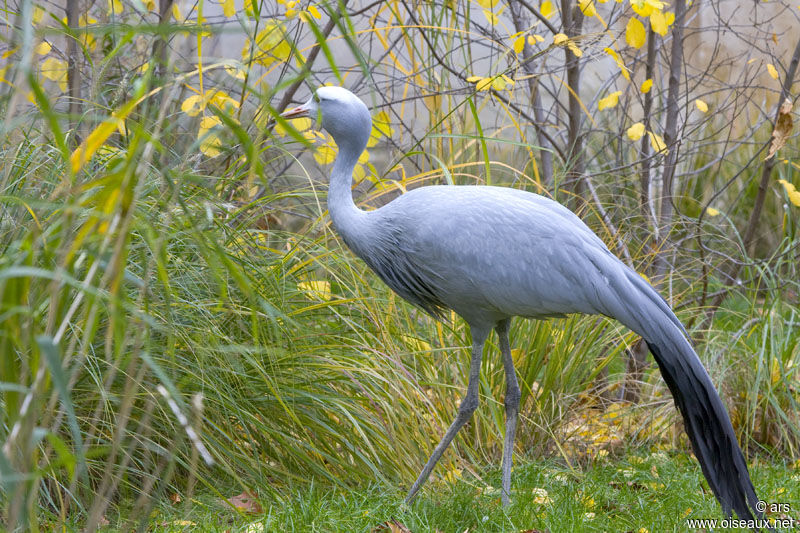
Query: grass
point(638, 491)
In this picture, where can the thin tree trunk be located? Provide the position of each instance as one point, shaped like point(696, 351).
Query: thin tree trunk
point(73, 72)
point(644, 173)
point(160, 44)
point(545, 153)
point(572, 21)
point(671, 138)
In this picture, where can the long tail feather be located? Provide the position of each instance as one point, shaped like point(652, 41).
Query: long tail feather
point(705, 419)
point(709, 428)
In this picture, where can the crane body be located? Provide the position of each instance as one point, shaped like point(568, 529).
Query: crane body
point(492, 253)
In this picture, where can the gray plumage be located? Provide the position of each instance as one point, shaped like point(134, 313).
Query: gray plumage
point(492, 253)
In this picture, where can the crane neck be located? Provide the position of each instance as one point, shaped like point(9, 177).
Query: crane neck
point(342, 208)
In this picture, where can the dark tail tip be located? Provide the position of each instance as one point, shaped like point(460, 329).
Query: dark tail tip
point(710, 431)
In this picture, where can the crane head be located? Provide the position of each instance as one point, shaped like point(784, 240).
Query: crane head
point(341, 113)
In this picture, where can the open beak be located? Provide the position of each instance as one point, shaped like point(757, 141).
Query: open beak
point(295, 112)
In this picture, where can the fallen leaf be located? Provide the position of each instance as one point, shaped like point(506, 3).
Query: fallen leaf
point(392, 526)
point(246, 502)
point(783, 128)
point(701, 105)
point(175, 498)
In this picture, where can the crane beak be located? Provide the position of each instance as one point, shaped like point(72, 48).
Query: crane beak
point(296, 112)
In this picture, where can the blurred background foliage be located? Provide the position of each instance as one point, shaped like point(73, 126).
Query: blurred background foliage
point(177, 315)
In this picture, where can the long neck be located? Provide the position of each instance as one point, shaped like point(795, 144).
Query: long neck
point(344, 213)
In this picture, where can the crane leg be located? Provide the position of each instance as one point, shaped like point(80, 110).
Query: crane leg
point(512, 407)
point(465, 410)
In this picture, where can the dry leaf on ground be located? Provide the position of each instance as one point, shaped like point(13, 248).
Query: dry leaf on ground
point(392, 526)
point(246, 502)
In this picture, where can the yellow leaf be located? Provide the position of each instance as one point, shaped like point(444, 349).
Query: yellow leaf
point(150, 5)
point(55, 70)
point(210, 143)
point(300, 124)
point(791, 192)
point(324, 154)
point(561, 38)
point(487, 4)
point(228, 9)
point(38, 15)
point(43, 48)
point(481, 83)
point(658, 22)
point(491, 17)
point(657, 142)
point(222, 100)
point(772, 71)
point(114, 7)
point(316, 289)
point(641, 8)
point(644, 8)
point(98, 136)
point(519, 44)
point(646, 85)
point(535, 38)
point(701, 105)
point(619, 62)
point(501, 82)
point(609, 101)
point(176, 13)
point(381, 127)
point(670, 17)
point(587, 7)
point(712, 212)
point(271, 45)
point(636, 131)
point(312, 9)
point(193, 105)
point(547, 9)
point(634, 33)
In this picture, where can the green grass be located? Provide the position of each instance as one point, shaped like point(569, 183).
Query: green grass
point(656, 491)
